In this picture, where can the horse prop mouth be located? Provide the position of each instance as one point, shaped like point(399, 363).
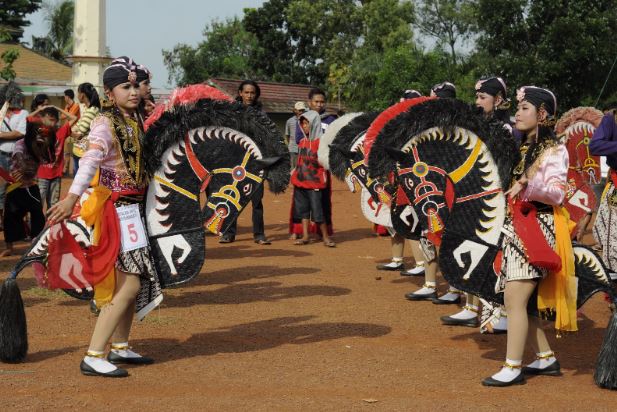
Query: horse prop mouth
point(215, 223)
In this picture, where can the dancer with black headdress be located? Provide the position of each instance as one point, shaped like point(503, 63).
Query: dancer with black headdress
point(114, 150)
point(491, 97)
point(542, 262)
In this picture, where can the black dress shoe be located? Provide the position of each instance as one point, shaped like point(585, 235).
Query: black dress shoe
point(439, 301)
point(93, 308)
point(519, 380)
point(90, 371)
point(449, 320)
point(390, 267)
point(421, 296)
point(554, 369)
point(117, 359)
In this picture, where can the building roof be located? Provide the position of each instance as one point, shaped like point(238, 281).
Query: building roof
point(32, 67)
point(275, 97)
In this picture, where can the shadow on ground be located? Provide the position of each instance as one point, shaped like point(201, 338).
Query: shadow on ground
point(257, 336)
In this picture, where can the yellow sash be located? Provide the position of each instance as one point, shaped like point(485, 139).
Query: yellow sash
point(557, 292)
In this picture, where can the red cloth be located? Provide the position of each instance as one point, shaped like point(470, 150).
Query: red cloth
point(309, 174)
point(539, 252)
point(53, 170)
point(71, 267)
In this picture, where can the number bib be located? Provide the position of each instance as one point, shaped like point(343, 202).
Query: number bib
point(132, 228)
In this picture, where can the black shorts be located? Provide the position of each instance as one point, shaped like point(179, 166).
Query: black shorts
point(308, 204)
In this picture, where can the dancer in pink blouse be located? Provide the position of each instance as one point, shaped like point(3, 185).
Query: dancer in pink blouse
point(539, 186)
point(114, 149)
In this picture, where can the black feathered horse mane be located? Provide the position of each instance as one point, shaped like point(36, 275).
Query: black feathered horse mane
point(174, 124)
point(343, 141)
point(445, 113)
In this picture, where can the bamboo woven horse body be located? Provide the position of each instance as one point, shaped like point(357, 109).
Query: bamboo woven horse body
point(453, 166)
point(205, 145)
point(576, 127)
point(215, 147)
point(346, 158)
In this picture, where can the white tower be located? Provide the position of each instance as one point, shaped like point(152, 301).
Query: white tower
point(89, 42)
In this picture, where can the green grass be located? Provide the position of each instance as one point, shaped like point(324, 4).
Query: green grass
point(38, 292)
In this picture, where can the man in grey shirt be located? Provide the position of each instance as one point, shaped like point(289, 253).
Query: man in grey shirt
point(291, 130)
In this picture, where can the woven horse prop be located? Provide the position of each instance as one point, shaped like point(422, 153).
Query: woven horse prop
point(345, 159)
point(576, 128)
point(200, 142)
point(214, 147)
point(453, 166)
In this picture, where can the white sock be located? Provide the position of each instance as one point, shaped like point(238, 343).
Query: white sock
point(452, 295)
point(466, 313)
point(545, 361)
point(100, 365)
point(502, 324)
point(427, 289)
point(125, 352)
point(416, 270)
point(507, 374)
point(396, 262)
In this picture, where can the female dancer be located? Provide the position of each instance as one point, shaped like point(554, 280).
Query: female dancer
point(539, 185)
point(114, 148)
point(491, 97)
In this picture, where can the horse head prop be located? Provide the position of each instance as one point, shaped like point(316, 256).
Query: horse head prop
point(213, 149)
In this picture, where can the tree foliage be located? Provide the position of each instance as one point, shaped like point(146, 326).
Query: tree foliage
point(450, 22)
point(58, 44)
point(224, 52)
point(13, 16)
point(364, 52)
point(565, 45)
point(8, 57)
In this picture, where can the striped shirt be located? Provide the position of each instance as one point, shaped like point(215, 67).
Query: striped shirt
point(83, 127)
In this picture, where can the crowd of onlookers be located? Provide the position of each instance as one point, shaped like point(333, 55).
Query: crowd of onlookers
point(41, 145)
point(36, 148)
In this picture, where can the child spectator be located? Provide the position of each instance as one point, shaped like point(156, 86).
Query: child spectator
point(50, 174)
point(310, 179)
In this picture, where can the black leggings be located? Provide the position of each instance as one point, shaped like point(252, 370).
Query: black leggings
point(19, 202)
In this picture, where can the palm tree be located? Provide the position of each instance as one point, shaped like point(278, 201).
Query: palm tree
point(58, 44)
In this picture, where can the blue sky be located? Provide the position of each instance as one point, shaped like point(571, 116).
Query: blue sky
point(142, 28)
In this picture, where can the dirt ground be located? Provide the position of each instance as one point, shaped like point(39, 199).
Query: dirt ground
point(286, 327)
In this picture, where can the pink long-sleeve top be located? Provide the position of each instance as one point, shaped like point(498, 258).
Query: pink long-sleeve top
point(548, 184)
point(103, 154)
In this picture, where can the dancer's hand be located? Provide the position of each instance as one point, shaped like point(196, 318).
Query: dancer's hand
point(518, 187)
point(62, 210)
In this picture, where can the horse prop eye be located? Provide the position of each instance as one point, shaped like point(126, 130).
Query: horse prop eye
point(247, 189)
point(409, 183)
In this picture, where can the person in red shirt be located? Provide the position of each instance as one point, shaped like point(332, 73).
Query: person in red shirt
point(50, 174)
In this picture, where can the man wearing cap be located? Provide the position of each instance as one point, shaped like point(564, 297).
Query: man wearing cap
point(290, 132)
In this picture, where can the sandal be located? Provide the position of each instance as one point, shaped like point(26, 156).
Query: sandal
point(329, 243)
point(301, 242)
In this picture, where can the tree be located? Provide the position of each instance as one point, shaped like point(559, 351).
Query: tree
point(274, 58)
point(13, 16)
point(324, 33)
point(385, 26)
point(565, 45)
point(8, 57)
point(448, 21)
point(224, 52)
point(58, 44)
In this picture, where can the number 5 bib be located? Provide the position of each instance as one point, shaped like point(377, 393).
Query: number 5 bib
point(133, 234)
